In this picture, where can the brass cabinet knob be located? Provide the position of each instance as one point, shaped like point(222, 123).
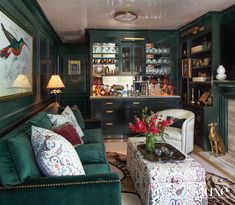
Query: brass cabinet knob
point(136, 103)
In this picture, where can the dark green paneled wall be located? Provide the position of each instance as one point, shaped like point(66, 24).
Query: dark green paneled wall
point(27, 15)
point(76, 91)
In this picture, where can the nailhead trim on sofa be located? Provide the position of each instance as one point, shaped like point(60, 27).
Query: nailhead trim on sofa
point(58, 184)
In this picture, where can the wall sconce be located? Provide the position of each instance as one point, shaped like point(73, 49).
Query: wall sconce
point(55, 84)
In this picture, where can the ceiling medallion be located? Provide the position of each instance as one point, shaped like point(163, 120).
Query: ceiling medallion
point(125, 16)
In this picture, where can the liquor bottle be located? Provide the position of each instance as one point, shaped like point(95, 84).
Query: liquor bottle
point(102, 92)
point(111, 91)
point(205, 43)
point(97, 90)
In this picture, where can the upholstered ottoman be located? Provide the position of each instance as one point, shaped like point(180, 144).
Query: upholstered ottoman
point(171, 183)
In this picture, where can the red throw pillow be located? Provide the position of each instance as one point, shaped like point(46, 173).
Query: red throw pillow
point(69, 133)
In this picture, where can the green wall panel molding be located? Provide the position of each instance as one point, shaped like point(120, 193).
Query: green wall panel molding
point(229, 15)
point(41, 20)
point(21, 112)
point(27, 14)
point(76, 89)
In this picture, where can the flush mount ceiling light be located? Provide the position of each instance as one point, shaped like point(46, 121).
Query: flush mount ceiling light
point(125, 16)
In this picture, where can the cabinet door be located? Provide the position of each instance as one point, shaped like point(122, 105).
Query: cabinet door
point(138, 59)
point(110, 112)
point(126, 59)
point(132, 59)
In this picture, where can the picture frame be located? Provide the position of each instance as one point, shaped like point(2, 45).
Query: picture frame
point(74, 67)
point(186, 68)
point(16, 59)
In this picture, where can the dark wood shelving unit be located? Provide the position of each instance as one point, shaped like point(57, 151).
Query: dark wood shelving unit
point(202, 63)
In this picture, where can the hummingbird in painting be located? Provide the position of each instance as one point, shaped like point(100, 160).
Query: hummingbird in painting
point(15, 46)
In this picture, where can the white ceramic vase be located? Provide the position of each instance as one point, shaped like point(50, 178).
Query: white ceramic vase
point(221, 69)
point(221, 73)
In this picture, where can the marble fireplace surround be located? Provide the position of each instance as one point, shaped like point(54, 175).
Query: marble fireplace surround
point(226, 105)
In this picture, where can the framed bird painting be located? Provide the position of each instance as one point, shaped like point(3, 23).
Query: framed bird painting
point(16, 52)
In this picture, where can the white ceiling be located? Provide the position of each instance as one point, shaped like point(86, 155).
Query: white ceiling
point(70, 17)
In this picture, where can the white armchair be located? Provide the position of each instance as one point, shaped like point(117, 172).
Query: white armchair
point(180, 138)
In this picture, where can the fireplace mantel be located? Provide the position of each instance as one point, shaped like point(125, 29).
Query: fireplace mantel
point(225, 83)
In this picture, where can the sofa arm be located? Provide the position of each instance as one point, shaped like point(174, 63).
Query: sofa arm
point(188, 134)
point(66, 190)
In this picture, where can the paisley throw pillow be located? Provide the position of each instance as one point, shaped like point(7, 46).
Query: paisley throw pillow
point(58, 120)
point(55, 156)
point(68, 111)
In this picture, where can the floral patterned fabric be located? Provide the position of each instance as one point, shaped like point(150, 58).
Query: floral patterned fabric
point(58, 120)
point(171, 183)
point(68, 111)
point(55, 156)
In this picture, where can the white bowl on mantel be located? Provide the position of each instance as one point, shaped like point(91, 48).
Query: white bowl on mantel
point(221, 76)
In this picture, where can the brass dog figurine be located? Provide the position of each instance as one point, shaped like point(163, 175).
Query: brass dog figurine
point(216, 141)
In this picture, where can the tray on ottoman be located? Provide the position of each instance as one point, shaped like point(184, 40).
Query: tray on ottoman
point(163, 153)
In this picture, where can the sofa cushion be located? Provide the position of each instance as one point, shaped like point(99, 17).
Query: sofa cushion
point(54, 154)
point(16, 160)
point(93, 135)
point(8, 172)
point(23, 157)
point(96, 168)
point(173, 133)
point(58, 120)
point(68, 111)
point(77, 114)
point(91, 153)
point(41, 120)
point(68, 131)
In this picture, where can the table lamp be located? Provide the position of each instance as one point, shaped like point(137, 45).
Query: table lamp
point(55, 84)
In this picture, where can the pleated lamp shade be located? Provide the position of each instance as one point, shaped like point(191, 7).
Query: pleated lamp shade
point(55, 82)
point(21, 81)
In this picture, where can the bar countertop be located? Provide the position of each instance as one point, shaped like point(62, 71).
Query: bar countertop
point(134, 97)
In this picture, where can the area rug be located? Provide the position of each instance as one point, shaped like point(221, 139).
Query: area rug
point(220, 190)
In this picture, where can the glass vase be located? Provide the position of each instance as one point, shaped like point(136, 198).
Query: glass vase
point(160, 138)
point(150, 142)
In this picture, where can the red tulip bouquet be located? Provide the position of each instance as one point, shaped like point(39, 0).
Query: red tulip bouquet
point(152, 126)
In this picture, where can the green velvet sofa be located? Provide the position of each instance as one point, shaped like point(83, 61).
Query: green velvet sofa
point(21, 182)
